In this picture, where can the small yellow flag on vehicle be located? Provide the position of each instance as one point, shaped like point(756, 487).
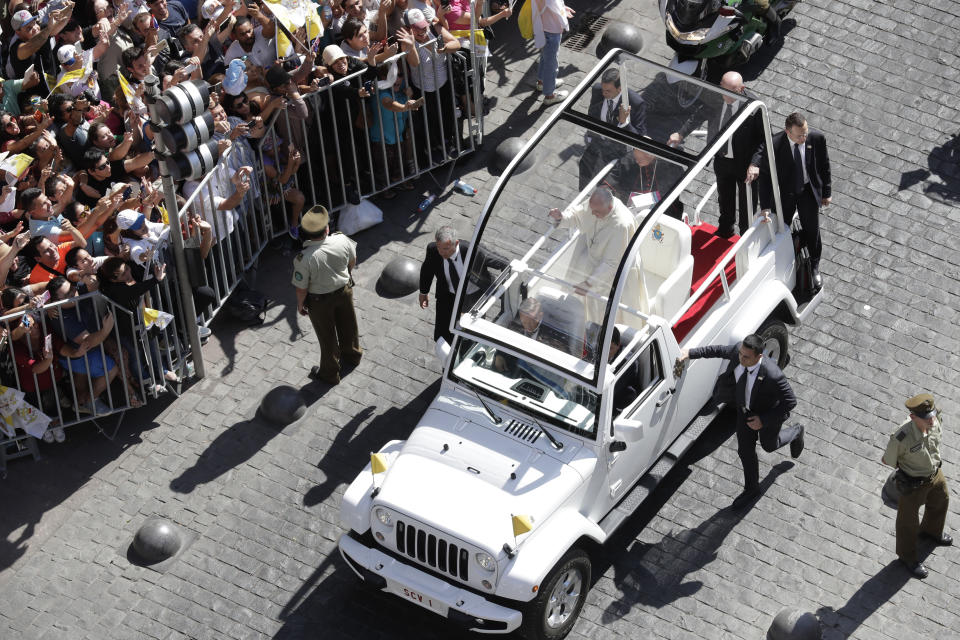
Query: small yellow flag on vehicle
point(521, 524)
point(378, 464)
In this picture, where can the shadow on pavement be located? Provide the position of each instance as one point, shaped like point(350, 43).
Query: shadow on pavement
point(237, 444)
point(654, 575)
point(872, 595)
point(352, 445)
point(62, 470)
point(943, 162)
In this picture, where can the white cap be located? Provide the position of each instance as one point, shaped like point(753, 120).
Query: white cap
point(67, 54)
point(332, 53)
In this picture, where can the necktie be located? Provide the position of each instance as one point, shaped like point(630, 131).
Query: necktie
point(797, 171)
point(611, 112)
point(725, 116)
point(742, 390)
point(454, 276)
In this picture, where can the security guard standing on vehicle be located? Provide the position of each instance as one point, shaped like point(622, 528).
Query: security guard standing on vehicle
point(915, 450)
point(324, 286)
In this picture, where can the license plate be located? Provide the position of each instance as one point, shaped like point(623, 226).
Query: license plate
point(418, 598)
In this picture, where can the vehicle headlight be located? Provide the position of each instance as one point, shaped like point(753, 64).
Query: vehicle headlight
point(693, 36)
point(383, 516)
point(486, 561)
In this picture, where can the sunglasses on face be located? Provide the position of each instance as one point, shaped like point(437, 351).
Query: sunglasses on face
point(101, 167)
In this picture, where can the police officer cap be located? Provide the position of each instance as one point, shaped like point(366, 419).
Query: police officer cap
point(921, 405)
point(315, 220)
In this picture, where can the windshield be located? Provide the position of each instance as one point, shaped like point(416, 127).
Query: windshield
point(525, 386)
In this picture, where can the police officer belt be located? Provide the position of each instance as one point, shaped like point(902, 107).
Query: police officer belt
point(913, 482)
point(321, 296)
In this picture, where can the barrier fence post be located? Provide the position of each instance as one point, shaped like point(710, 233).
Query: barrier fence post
point(191, 327)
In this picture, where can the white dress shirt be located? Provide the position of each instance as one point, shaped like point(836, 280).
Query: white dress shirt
point(751, 378)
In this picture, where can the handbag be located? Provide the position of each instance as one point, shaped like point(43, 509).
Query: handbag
point(803, 289)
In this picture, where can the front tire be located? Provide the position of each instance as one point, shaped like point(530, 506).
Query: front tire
point(776, 341)
point(555, 610)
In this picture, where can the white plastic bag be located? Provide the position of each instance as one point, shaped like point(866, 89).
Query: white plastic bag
point(357, 217)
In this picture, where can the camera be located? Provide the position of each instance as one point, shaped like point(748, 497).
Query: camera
point(370, 86)
point(324, 81)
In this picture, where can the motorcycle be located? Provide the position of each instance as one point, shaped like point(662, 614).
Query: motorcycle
point(710, 35)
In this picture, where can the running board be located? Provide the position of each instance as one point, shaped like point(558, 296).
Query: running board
point(646, 485)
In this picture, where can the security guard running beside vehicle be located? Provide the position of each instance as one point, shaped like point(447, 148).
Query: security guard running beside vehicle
point(324, 287)
point(914, 449)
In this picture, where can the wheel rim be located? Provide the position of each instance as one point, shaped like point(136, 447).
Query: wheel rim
point(563, 600)
point(771, 349)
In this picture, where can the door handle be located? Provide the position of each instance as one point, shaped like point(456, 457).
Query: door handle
point(662, 400)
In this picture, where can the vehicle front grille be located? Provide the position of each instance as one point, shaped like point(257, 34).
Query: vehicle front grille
point(432, 550)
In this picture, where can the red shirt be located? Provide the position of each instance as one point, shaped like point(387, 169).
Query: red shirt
point(25, 361)
point(39, 274)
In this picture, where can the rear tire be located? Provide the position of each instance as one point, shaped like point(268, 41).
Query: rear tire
point(555, 610)
point(776, 341)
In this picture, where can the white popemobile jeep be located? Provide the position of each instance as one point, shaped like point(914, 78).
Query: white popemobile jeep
point(541, 443)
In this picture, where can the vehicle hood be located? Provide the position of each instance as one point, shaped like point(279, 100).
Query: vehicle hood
point(461, 475)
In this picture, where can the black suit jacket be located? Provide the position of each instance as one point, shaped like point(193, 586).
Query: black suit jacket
point(746, 140)
point(772, 397)
point(637, 122)
point(478, 274)
point(815, 158)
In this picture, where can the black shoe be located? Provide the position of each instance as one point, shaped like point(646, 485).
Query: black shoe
point(817, 280)
point(943, 540)
point(796, 445)
point(745, 498)
point(724, 232)
point(917, 569)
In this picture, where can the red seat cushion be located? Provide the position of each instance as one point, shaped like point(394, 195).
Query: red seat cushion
point(708, 250)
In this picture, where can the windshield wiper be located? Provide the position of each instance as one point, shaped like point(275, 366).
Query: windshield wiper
point(556, 443)
point(493, 417)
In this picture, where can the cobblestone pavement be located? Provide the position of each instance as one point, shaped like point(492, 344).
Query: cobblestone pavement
point(880, 79)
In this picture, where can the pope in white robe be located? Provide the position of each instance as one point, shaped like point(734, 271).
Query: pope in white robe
point(605, 227)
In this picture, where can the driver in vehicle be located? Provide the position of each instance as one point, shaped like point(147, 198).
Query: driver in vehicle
point(530, 323)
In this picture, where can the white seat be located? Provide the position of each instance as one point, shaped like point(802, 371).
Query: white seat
point(667, 266)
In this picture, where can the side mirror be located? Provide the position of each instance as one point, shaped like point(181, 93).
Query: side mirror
point(617, 446)
point(629, 432)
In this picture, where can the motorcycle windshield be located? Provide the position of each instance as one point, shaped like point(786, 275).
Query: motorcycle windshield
point(688, 11)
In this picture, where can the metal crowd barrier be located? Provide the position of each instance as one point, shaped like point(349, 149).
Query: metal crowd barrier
point(239, 235)
point(338, 154)
point(335, 161)
point(103, 374)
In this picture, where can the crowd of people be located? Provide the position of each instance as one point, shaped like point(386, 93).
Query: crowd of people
point(82, 209)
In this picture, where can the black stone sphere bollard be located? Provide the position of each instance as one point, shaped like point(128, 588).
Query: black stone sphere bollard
point(283, 405)
point(620, 36)
point(157, 540)
point(400, 277)
point(794, 624)
point(504, 154)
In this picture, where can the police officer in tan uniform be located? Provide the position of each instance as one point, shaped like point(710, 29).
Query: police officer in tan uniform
point(915, 450)
point(324, 286)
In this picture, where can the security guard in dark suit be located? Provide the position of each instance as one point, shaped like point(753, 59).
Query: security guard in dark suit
point(324, 286)
point(914, 449)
